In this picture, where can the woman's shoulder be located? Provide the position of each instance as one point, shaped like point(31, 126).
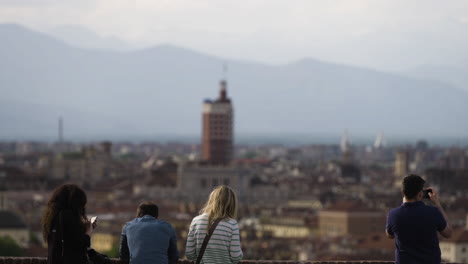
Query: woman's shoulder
point(200, 218)
point(230, 221)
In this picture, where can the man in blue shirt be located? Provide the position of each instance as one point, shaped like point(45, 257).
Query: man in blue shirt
point(146, 239)
point(414, 225)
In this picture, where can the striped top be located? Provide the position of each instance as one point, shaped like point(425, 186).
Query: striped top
point(224, 244)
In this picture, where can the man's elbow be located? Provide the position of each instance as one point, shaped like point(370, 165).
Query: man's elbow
point(447, 233)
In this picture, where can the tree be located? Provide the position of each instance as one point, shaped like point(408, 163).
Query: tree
point(8, 247)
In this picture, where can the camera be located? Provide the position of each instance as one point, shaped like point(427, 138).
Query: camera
point(426, 193)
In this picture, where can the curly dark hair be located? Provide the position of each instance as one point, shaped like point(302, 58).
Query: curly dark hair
point(65, 197)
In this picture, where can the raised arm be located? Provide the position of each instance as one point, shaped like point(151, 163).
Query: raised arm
point(447, 230)
point(74, 238)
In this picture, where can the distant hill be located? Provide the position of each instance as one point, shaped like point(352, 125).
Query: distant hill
point(160, 90)
point(455, 75)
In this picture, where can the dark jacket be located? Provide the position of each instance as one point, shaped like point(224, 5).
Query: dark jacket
point(73, 250)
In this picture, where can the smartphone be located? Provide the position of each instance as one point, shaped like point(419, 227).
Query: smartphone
point(93, 219)
point(426, 193)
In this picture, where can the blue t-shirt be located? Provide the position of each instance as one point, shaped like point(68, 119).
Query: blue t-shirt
point(148, 240)
point(415, 228)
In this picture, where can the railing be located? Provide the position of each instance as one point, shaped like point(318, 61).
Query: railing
point(26, 260)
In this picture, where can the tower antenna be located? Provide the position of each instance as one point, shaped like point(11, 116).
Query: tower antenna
point(225, 71)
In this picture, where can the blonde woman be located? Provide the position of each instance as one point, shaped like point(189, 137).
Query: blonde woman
point(224, 244)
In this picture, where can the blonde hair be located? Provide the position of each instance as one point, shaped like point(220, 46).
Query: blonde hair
point(222, 203)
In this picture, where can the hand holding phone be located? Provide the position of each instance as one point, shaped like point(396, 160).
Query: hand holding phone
point(94, 221)
point(426, 193)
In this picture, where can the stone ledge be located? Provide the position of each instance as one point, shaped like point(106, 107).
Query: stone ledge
point(26, 260)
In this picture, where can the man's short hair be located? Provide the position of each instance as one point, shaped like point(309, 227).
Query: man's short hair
point(412, 185)
point(147, 208)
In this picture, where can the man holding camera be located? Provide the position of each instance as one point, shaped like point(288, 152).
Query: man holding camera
point(414, 225)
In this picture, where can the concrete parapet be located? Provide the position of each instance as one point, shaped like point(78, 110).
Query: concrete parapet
point(26, 260)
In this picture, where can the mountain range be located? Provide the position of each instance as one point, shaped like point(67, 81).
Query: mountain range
point(159, 91)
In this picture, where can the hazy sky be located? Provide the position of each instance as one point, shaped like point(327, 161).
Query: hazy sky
point(386, 34)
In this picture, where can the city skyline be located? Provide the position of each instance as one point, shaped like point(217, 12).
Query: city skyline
point(306, 201)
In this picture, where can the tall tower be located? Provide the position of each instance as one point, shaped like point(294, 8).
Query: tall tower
point(217, 134)
point(401, 166)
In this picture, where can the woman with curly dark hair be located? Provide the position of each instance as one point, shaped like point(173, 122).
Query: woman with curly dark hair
point(65, 227)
